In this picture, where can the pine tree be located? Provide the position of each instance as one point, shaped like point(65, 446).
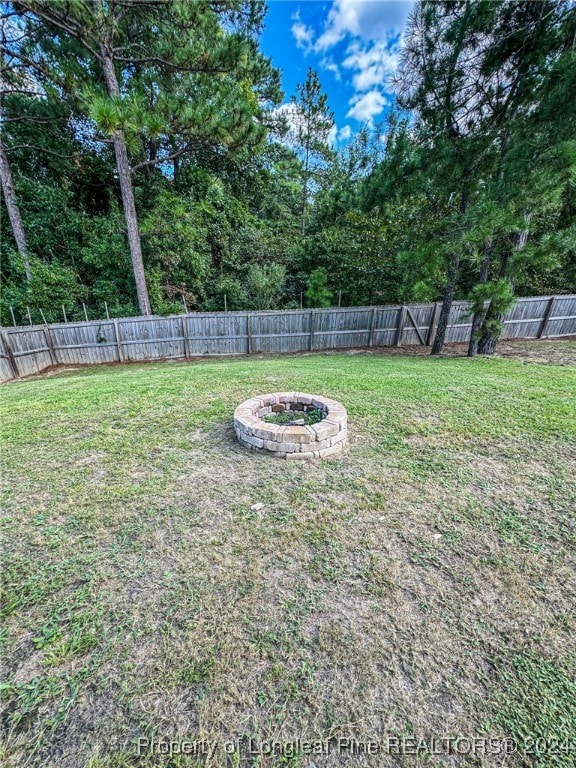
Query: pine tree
point(314, 121)
point(317, 291)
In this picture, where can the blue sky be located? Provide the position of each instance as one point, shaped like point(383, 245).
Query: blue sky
point(352, 44)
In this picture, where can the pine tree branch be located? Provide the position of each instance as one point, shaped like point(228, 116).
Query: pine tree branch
point(164, 159)
point(171, 65)
point(37, 149)
point(52, 17)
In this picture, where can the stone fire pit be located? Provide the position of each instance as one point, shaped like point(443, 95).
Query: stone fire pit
point(294, 441)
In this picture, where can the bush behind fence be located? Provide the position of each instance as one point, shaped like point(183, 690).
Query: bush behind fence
point(26, 350)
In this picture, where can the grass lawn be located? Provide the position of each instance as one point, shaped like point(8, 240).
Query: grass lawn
point(162, 582)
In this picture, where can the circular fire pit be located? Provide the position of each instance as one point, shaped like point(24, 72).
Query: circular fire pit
point(295, 439)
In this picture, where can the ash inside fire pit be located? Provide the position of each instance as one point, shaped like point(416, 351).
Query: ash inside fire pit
point(292, 425)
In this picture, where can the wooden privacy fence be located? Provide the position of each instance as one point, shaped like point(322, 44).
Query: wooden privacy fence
point(26, 350)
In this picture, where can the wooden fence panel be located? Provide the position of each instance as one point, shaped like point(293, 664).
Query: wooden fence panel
point(421, 315)
point(8, 369)
point(459, 323)
point(224, 333)
point(151, 338)
point(341, 328)
point(386, 326)
point(93, 342)
point(281, 331)
point(6, 372)
point(31, 349)
point(562, 321)
point(525, 318)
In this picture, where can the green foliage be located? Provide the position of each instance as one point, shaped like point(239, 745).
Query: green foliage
point(312, 121)
point(222, 205)
point(235, 293)
point(317, 292)
point(52, 286)
point(175, 240)
point(499, 294)
point(313, 416)
point(265, 284)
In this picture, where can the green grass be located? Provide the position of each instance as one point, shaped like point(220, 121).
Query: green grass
point(421, 584)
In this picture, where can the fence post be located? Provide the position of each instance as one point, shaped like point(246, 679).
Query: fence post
point(118, 341)
point(372, 325)
point(433, 323)
point(546, 318)
point(186, 335)
point(400, 329)
point(10, 353)
point(311, 340)
point(249, 333)
point(49, 344)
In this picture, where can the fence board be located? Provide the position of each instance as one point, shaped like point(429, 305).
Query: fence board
point(234, 333)
point(6, 371)
point(523, 321)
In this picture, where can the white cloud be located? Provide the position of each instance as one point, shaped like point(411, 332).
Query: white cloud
point(331, 66)
point(344, 133)
point(367, 106)
point(373, 65)
point(302, 34)
point(368, 19)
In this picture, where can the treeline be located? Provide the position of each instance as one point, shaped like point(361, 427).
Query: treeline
point(147, 165)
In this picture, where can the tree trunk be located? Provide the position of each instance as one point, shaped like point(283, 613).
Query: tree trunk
point(487, 343)
point(124, 175)
point(449, 290)
point(479, 316)
point(176, 170)
point(446, 305)
point(152, 157)
point(305, 192)
point(493, 319)
point(488, 336)
point(13, 210)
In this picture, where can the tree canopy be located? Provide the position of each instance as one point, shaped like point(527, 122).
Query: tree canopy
point(149, 163)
